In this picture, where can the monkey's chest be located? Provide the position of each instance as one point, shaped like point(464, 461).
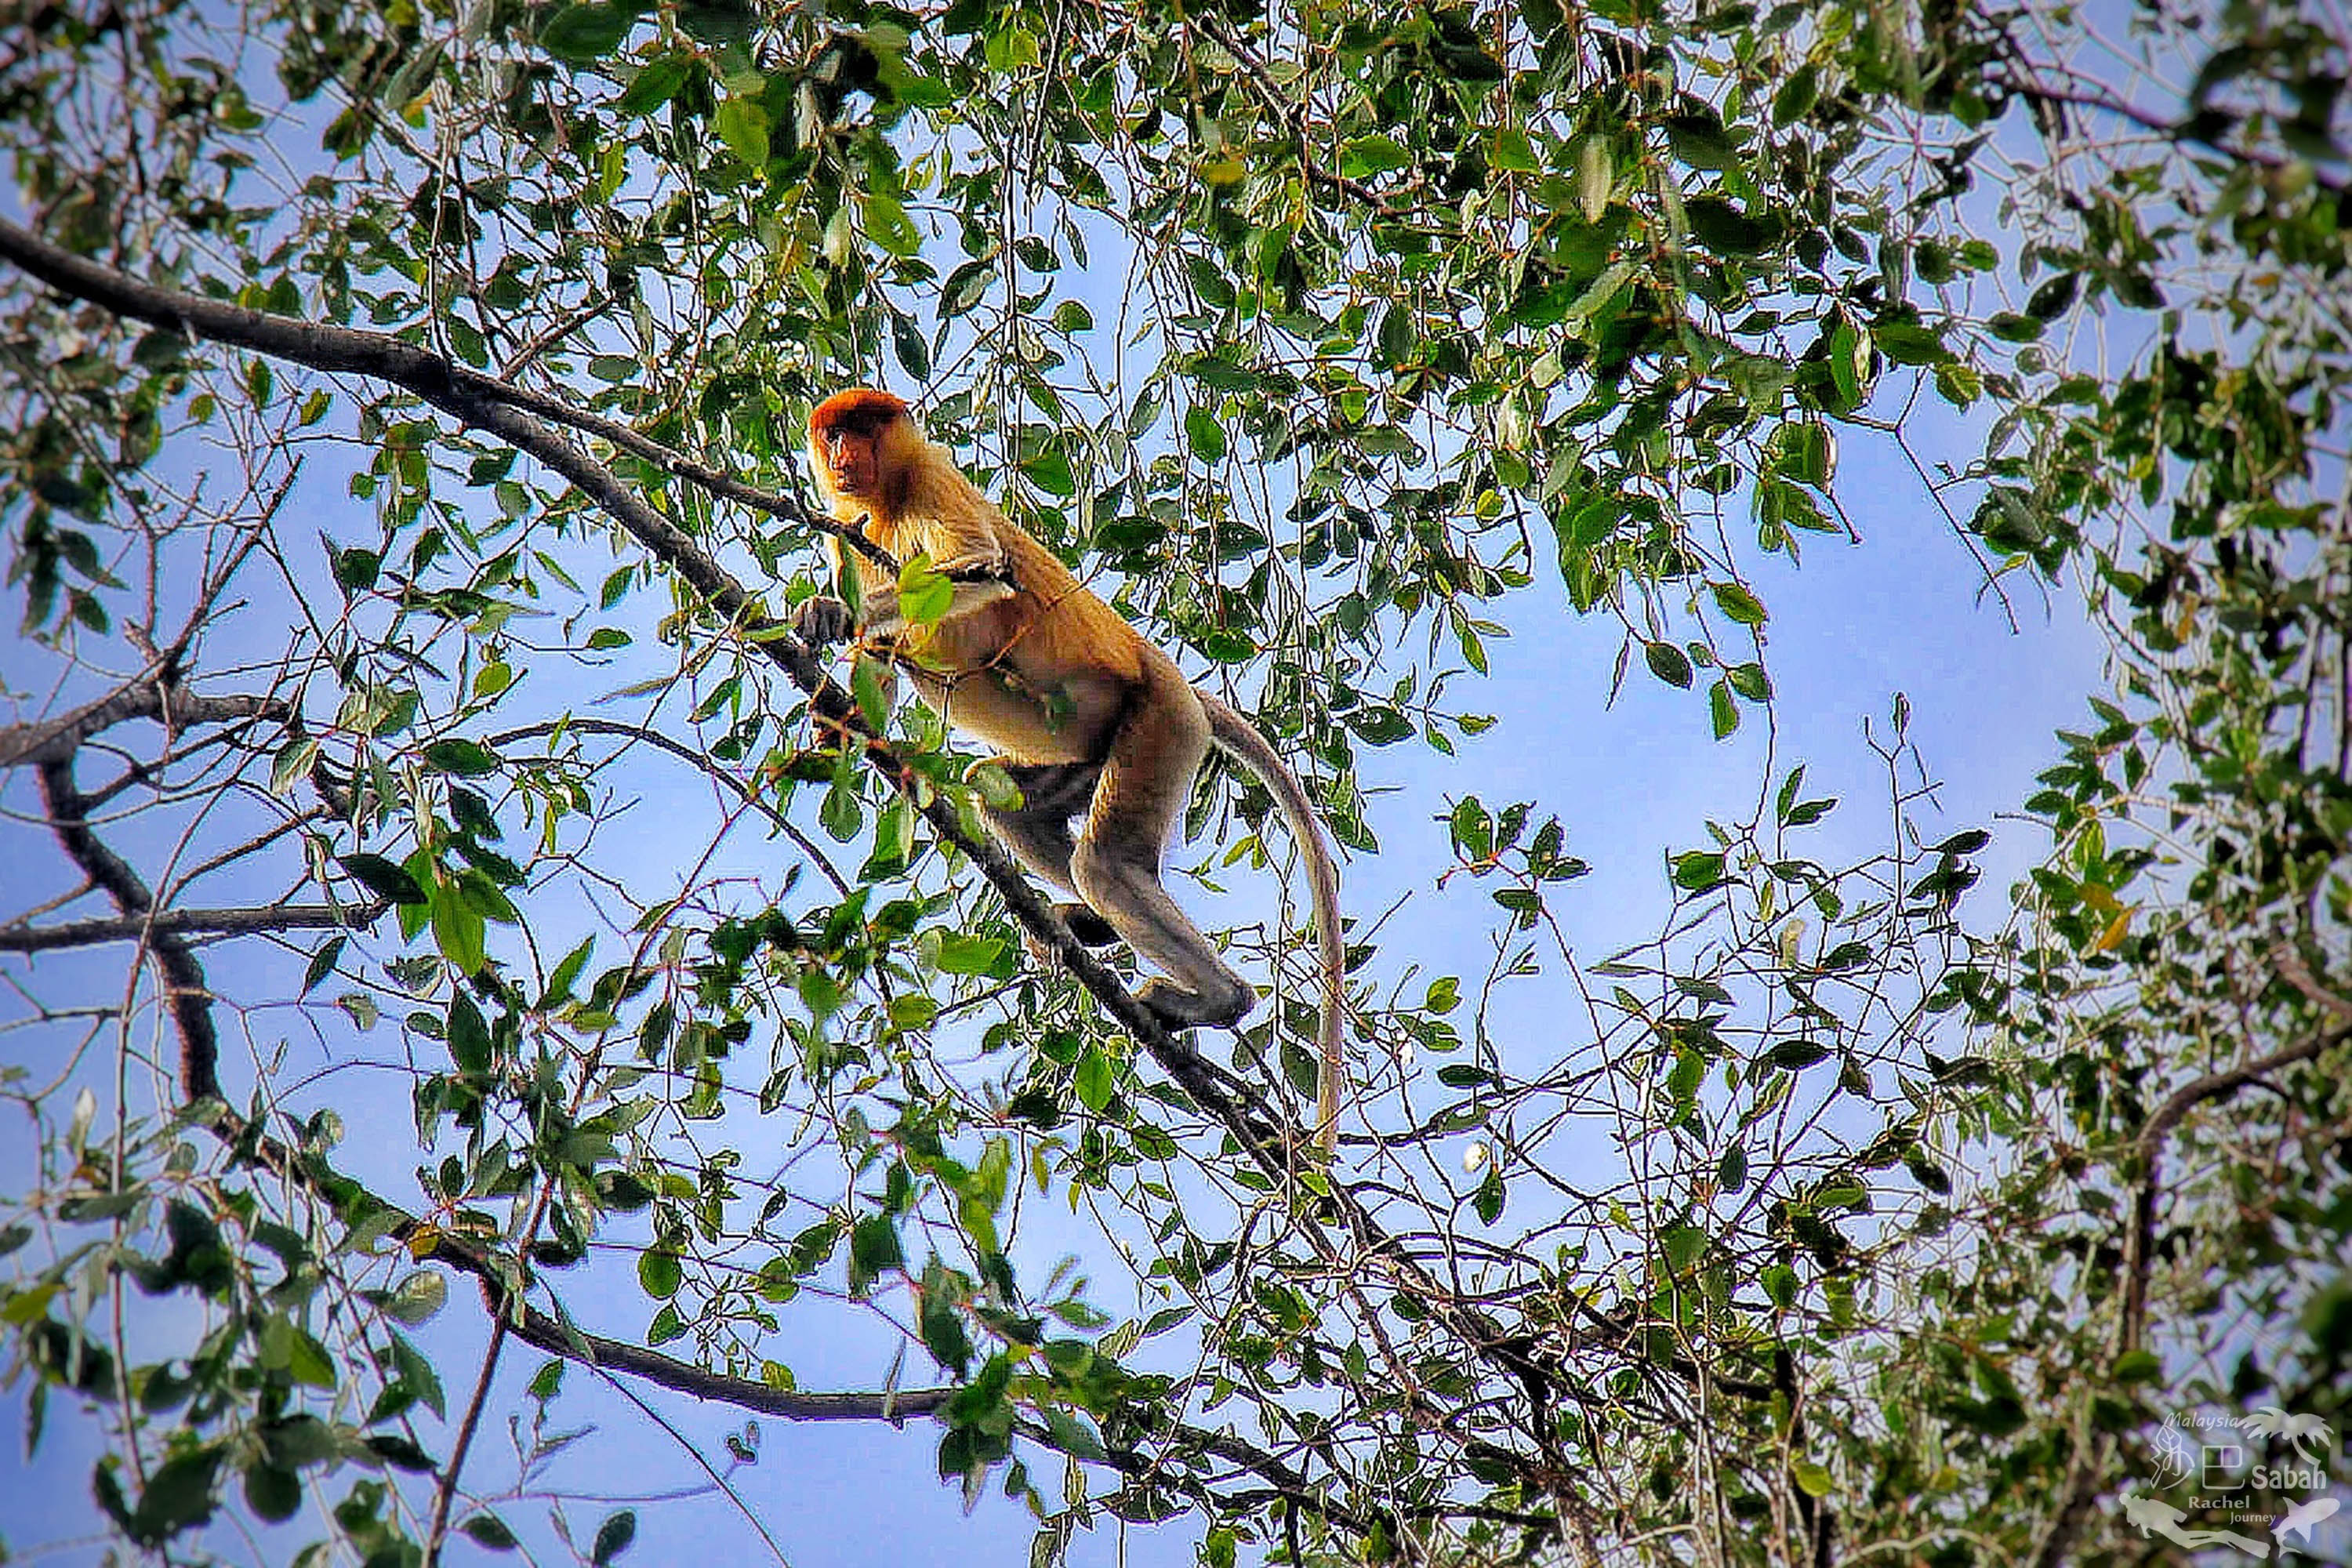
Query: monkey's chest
point(1020, 680)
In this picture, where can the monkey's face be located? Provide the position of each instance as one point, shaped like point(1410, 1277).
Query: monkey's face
point(852, 460)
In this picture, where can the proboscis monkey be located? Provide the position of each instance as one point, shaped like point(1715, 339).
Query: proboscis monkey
point(1094, 724)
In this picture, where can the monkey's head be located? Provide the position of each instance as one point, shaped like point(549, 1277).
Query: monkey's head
point(854, 441)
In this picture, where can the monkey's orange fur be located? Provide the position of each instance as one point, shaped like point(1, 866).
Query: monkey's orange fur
point(1092, 720)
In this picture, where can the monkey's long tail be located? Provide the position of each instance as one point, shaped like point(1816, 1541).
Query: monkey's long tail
point(1240, 739)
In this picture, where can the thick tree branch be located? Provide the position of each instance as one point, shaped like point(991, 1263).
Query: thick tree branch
point(191, 922)
point(509, 414)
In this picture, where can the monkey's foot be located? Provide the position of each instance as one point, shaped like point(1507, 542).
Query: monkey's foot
point(1086, 925)
point(1177, 1009)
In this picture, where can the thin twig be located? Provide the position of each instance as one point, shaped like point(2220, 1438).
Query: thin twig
point(692, 758)
point(444, 1490)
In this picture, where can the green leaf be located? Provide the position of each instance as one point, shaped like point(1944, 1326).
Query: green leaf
point(582, 35)
point(1668, 663)
point(306, 1360)
point(322, 963)
point(1072, 1436)
point(418, 1298)
point(660, 1273)
point(1811, 1478)
point(873, 1248)
point(1722, 711)
point(356, 570)
point(469, 1035)
point(1096, 1080)
point(1699, 141)
point(179, 1496)
point(567, 973)
point(656, 83)
point(465, 759)
point(1514, 154)
point(458, 930)
point(1737, 603)
point(839, 813)
point(1907, 343)
point(614, 1536)
point(488, 1530)
point(1204, 435)
point(1698, 870)
point(1797, 96)
point(913, 350)
point(968, 955)
point(273, 1493)
point(887, 223)
point(924, 596)
point(943, 1333)
point(965, 286)
point(1369, 155)
point(743, 125)
point(1685, 1245)
point(385, 878)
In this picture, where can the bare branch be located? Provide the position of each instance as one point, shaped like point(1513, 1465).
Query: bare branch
point(573, 725)
point(191, 922)
point(184, 992)
point(152, 694)
point(444, 1487)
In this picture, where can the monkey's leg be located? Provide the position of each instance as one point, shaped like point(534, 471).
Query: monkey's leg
point(1116, 860)
point(1038, 836)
